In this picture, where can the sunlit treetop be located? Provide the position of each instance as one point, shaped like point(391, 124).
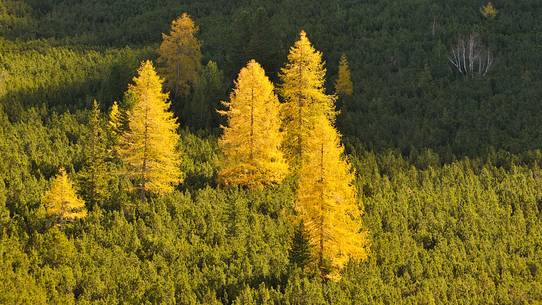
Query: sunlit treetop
point(343, 84)
point(180, 56)
point(488, 10)
point(62, 200)
point(304, 95)
point(252, 138)
point(149, 145)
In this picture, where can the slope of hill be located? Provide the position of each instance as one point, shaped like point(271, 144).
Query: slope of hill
point(447, 167)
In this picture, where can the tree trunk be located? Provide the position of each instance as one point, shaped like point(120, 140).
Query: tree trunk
point(322, 211)
point(252, 124)
point(145, 148)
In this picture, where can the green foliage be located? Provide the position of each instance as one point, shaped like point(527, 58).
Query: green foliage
point(201, 162)
point(63, 77)
point(18, 286)
point(448, 169)
point(95, 176)
point(406, 94)
point(472, 223)
point(32, 150)
point(199, 109)
point(300, 250)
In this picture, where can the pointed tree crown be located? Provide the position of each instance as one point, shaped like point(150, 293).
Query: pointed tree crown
point(115, 118)
point(149, 145)
point(180, 55)
point(61, 199)
point(93, 177)
point(251, 140)
point(343, 84)
point(304, 96)
point(303, 77)
point(327, 202)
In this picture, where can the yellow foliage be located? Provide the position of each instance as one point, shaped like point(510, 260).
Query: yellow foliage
point(116, 125)
point(115, 122)
point(61, 199)
point(304, 94)
point(149, 145)
point(180, 55)
point(343, 84)
point(488, 10)
point(251, 141)
point(326, 201)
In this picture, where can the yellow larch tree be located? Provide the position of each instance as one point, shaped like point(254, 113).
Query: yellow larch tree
point(62, 201)
point(148, 147)
point(251, 140)
point(327, 204)
point(115, 119)
point(488, 10)
point(304, 96)
point(180, 56)
point(116, 125)
point(343, 84)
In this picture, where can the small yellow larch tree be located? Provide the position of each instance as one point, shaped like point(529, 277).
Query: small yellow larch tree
point(117, 124)
point(304, 97)
point(62, 201)
point(115, 119)
point(327, 202)
point(343, 84)
point(251, 140)
point(488, 10)
point(148, 147)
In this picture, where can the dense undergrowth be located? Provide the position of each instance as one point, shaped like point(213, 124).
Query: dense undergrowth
point(448, 169)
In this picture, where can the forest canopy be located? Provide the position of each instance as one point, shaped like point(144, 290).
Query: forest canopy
point(270, 152)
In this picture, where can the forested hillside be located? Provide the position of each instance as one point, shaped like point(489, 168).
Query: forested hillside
point(120, 182)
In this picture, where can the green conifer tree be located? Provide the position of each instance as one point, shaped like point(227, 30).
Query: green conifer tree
point(95, 175)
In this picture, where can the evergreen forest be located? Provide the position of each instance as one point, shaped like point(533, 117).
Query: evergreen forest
point(270, 152)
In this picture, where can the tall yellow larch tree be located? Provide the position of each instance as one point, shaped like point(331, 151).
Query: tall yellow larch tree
point(148, 147)
point(180, 56)
point(62, 201)
point(304, 96)
point(327, 204)
point(343, 84)
point(251, 140)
